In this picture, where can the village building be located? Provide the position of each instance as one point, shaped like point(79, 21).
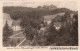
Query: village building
point(48, 18)
point(57, 20)
point(14, 24)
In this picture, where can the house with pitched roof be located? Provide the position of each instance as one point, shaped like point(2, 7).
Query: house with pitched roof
point(48, 18)
point(16, 25)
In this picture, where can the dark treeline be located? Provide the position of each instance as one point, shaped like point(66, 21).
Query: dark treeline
point(7, 32)
point(42, 10)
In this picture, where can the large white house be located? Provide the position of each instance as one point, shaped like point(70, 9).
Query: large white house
point(14, 24)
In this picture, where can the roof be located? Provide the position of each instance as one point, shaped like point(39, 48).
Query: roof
point(50, 17)
point(58, 18)
point(16, 23)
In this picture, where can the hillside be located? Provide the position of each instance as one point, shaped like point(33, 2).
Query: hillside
point(44, 11)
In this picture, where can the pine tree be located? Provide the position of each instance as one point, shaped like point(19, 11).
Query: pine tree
point(6, 34)
point(28, 32)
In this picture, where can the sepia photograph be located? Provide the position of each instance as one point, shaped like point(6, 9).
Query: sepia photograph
point(40, 24)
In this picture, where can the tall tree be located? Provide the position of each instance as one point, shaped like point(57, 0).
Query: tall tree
point(7, 32)
point(74, 32)
point(28, 32)
point(52, 33)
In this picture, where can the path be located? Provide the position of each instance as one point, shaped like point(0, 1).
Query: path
point(18, 36)
point(15, 35)
point(21, 43)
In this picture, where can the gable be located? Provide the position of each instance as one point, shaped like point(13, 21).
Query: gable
point(50, 17)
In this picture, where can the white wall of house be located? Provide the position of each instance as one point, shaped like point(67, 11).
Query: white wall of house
point(16, 28)
point(48, 22)
point(57, 25)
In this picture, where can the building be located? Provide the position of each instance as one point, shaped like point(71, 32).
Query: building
point(57, 22)
point(48, 18)
point(16, 25)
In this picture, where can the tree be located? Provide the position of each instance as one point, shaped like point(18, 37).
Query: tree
point(28, 32)
point(7, 32)
point(74, 32)
point(52, 33)
point(39, 7)
point(33, 18)
point(25, 21)
point(16, 15)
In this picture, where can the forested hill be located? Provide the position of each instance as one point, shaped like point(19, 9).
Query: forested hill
point(43, 11)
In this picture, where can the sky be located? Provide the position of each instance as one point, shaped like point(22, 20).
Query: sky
point(69, 4)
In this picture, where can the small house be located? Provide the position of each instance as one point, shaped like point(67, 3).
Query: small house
point(49, 18)
point(16, 25)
